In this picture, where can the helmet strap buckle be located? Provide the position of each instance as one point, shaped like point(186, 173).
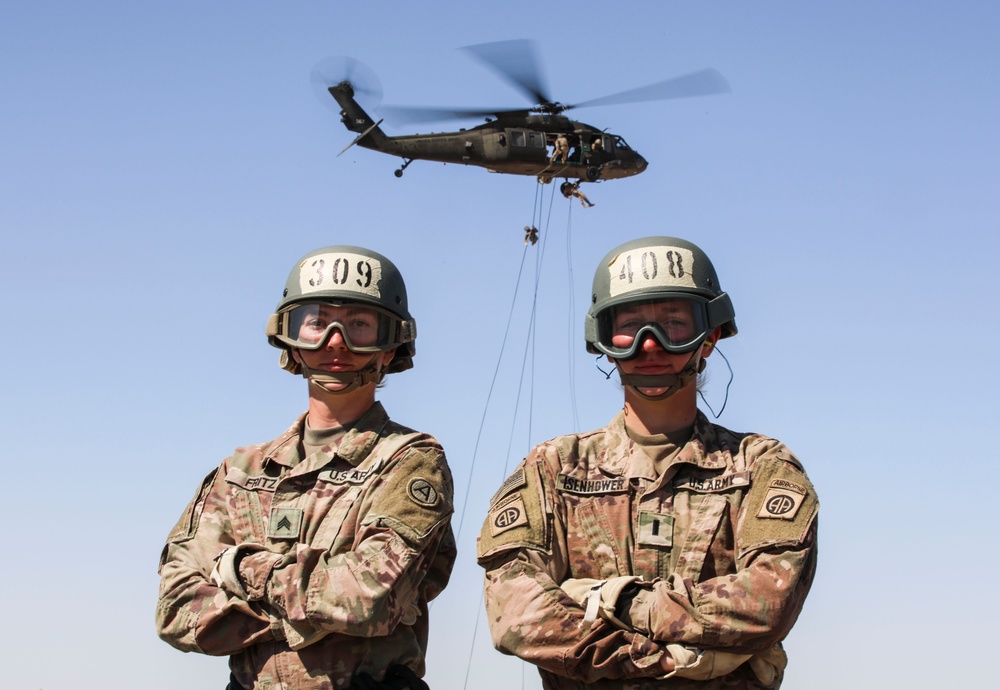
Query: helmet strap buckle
point(670, 382)
point(370, 373)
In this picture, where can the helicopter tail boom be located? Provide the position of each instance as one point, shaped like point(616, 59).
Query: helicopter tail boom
point(356, 119)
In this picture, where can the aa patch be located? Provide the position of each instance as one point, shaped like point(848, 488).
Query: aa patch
point(780, 509)
point(517, 521)
point(507, 516)
point(782, 500)
point(423, 492)
point(655, 529)
point(284, 523)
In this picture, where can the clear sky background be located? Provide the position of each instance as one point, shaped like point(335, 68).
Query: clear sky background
point(163, 165)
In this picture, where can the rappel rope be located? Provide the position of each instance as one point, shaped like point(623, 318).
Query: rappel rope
point(571, 344)
point(489, 396)
point(529, 344)
point(529, 347)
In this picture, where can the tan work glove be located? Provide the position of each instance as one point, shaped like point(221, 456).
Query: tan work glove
point(767, 665)
point(226, 574)
point(707, 664)
point(578, 589)
point(599, 597)
point(243, 570)
point(703, 664)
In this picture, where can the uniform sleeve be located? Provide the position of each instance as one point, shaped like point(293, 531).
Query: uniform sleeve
point(755, 607)
point(530, 615)
point(402, 554)
point(192, 613)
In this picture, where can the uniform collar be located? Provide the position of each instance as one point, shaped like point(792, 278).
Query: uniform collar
point(625, 458)
point(356, 444)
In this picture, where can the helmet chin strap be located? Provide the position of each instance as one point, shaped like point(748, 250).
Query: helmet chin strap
point(370, 373)
point(671, 382)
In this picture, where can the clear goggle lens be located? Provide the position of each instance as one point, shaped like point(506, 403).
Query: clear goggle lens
point(310, 325)
point(678, 325)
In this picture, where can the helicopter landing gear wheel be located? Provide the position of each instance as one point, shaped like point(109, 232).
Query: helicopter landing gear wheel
point(406, 164)
point(593, 173)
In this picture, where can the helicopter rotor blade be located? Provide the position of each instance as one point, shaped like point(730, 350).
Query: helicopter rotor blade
point(334, 69)
point(399, 115)
point(707, 82)
point(517, 62)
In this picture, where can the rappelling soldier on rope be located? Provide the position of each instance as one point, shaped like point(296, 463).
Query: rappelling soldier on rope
point(310, 560)
point(572, 189)
point(661, 551)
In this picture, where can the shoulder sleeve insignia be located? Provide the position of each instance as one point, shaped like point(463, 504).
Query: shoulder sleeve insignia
point(782, 500)
point(779, 509)
point(423, 492)
point(414, 497)
point(518, 520)
point(507, 516)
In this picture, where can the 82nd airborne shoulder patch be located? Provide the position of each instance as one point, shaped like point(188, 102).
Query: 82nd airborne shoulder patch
point(516, 518)
point(507, 516)
point(782, 500)
point(781, 508)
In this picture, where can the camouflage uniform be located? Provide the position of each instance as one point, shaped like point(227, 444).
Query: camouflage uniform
point(723, 541)
point(353, 541)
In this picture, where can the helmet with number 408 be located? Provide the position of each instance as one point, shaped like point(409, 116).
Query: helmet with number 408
point(344, 276)
point(653, 270)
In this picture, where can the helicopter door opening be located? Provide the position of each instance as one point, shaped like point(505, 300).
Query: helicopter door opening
point(600, 150)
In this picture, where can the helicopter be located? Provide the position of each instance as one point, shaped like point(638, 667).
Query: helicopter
point(537, 140)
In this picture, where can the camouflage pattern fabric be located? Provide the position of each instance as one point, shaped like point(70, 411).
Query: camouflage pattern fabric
point(356, 540)
point(724, 541)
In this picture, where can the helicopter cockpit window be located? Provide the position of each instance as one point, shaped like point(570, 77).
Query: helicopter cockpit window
point(620, 144)
point(536, 140)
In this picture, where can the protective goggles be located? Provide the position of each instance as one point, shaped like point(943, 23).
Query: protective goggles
point(678, 325)
point(365, 328)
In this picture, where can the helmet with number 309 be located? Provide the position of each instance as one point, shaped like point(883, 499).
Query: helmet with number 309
point(654, 269)
point(345, 276)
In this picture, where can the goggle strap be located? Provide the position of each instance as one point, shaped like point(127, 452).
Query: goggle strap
point(407, 330)
point(720, 310)
point(271, 329)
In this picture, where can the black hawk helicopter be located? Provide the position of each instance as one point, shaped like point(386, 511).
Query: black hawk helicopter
point(538, 140)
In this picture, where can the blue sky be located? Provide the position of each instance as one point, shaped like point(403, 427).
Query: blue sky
point(163, 166)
